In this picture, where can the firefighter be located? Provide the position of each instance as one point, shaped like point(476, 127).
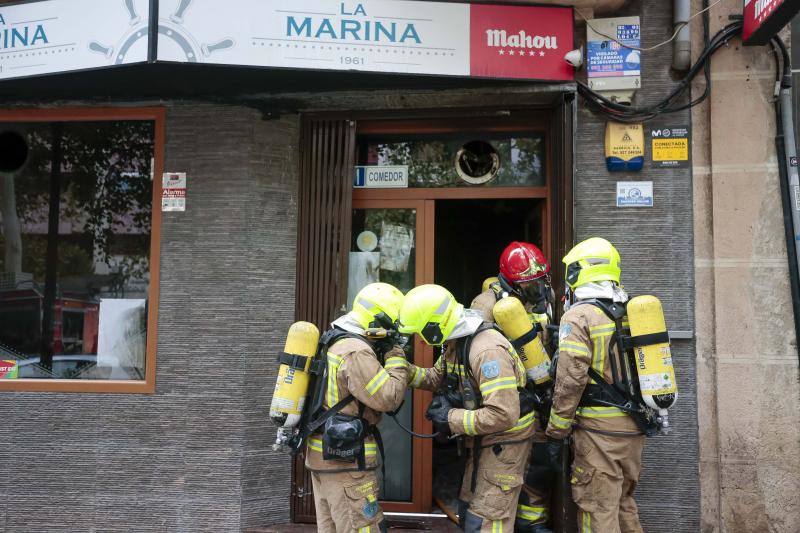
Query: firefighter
point(525, 274)
point(480, 381)
point(606, 441)
point(343, 456)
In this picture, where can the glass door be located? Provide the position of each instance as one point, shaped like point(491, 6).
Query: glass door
point(388, 245)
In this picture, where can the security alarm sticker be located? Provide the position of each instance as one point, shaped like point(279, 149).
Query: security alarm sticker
point(173, 191)
point(624, 147)
point(8, 369)
point(634, 194)
point(381, 177)
point(610, 58)
point(670, 146)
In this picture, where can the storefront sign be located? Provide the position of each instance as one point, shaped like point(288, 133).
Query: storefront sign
point(492, 41)
point(670, 146)
point(62, 35)
point(381, 177)
point(764, 18)
point(634, 194)
point(173, 191)
point(8, 369)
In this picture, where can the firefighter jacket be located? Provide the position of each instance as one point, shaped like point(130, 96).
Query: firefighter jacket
point(353, 368)
point(496, 374)
point(585, 339)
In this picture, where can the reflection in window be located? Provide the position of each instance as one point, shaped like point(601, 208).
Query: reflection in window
point(75, 228)
point(431, 161)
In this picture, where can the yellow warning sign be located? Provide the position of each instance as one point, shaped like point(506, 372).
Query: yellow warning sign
point(624, 141)
point(669, 146)
point(670, 149)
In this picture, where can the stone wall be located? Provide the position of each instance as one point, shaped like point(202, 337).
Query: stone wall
point(747, 361)
point(191, 456)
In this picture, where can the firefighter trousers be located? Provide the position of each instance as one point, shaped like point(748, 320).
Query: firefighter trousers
point(491, 507)
point(605, 472)
point(347, 502)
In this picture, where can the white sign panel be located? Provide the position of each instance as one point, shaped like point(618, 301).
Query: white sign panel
point(373, 35)
point(62, 35)
point(173, 191)
point(381, 177)
point(634, 194)
point(121, 339)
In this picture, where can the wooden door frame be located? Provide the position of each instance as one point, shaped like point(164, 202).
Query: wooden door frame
point(555, 122)
point(424, 199)
point(421, 449)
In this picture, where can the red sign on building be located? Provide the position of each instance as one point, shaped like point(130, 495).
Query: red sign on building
point(520, 42)
point(764, 18)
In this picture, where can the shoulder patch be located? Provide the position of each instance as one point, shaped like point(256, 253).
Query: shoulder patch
point(564, 331)
point(490, 370)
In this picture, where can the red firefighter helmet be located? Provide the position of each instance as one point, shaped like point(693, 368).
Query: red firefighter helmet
point(522, 261)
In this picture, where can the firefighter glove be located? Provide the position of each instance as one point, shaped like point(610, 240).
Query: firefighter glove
point(553, 454)
point(438, 412)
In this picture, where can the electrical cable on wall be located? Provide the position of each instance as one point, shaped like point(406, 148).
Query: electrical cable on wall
point(671, 103)
point(678, 29)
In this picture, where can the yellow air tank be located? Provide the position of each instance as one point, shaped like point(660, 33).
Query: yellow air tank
point(291, 389)
point(487, 282)
point(511, 317)
point(653, 361)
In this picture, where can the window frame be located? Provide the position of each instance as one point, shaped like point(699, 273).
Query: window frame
point(84, 114)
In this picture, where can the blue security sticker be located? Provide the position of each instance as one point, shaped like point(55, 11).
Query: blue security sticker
point(491, 369)
point(370, 509)
point(564, 331)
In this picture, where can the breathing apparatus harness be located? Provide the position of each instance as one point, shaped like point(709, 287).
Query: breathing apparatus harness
point(461, 393)
point(540, 395)
point(343, 435)
point(624, 392)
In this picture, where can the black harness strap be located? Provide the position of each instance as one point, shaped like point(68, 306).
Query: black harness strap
point(376, 433)
point(646, 340)
point(527, 337)
point(362, 457)
point(296, 361)
point(318, 422)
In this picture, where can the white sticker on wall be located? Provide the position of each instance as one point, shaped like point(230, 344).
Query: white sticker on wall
point(173, 191)
point(634, 194)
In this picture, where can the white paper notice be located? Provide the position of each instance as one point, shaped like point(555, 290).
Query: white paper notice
point(173, 191)
point(396, 244)
point(364, 268)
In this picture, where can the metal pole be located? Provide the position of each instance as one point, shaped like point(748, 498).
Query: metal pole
point(790, 161)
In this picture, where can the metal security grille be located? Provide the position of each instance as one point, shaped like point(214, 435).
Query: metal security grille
point(327, 154)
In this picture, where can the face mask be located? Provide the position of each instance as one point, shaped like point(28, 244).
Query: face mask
point(535, 294)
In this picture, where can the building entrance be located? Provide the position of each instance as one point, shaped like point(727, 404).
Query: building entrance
point(473, 187)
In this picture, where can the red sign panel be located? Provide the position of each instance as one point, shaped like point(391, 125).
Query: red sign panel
point(520, 42)
point(764, 18)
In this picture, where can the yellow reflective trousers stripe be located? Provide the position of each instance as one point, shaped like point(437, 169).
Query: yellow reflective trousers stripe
point(530, 513)
point(497, 526)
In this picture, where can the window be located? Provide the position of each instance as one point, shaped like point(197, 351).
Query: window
point(79, 242)
point(462, 160)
